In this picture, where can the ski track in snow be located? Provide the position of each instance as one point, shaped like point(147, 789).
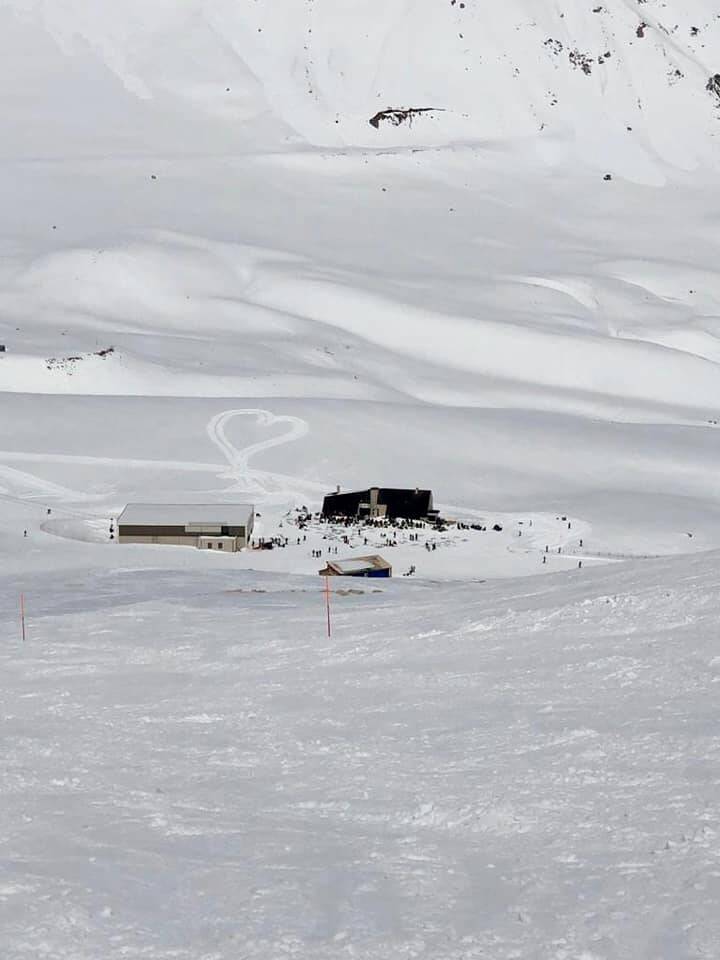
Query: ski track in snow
point(21, 486)
point(90, 461)
point(34, 487)
point(260, 483)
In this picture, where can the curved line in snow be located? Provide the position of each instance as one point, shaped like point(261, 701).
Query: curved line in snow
point(239, 459)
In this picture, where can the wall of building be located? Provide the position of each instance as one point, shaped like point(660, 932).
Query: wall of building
point(144, 530)
point(344, 504)
point(226, 544)
point(174, 535)
point(184, 541)
point(383, 501)
point(129, 533)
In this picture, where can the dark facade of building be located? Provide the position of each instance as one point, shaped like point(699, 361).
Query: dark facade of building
point(381, 502)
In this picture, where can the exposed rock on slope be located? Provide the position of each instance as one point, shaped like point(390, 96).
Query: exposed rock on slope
point(399, 115)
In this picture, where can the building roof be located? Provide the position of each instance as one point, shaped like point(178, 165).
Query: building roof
point(169, 514)
point(351, 566)
point(356, 564)
point(382, 490)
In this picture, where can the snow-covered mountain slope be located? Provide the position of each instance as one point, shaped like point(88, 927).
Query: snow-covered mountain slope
point(250, 250)
point(167, 237)
point(191, 768)
point(623, 81)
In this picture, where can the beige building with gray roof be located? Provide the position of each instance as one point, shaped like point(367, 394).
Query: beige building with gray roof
point(209, 526)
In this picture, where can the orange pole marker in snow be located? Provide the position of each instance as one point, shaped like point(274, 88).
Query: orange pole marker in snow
point(327, 603)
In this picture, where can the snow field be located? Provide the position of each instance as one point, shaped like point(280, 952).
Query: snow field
point(248, 441)
point(524, 308)
point(609, 86)
point(218, 280)
point(484, 770)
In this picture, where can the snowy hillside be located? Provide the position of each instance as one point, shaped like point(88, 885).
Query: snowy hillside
point(252, 250)
point(199, 218)
point(624, 81)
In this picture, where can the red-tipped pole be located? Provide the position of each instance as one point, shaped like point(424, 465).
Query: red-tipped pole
point(327, 603)
point(22, 615)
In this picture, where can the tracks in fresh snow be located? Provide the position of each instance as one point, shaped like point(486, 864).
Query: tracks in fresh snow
point(35, 488)
point(258, 482)
point(21, 486)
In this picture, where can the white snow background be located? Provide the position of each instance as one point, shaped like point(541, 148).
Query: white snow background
point(219, 281)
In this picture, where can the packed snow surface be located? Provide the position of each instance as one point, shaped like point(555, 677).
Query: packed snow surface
point(192, 768)
point(250, 251)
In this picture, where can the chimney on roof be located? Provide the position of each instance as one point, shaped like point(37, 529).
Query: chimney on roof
point(417, 490)
point(337, 489)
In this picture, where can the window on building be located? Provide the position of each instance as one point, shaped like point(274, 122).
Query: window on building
point(209, 546)
point(220, 546)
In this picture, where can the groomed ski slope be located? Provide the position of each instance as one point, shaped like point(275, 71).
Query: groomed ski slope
point(517, 769)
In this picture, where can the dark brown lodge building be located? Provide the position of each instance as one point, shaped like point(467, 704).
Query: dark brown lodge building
point(381, 502)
